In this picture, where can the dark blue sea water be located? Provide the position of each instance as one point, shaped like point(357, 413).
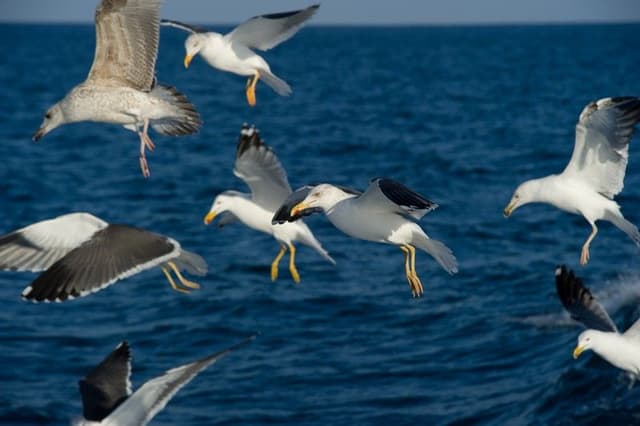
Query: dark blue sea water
point(460, 114)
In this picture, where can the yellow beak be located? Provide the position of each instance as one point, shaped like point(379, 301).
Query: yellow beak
point(298, 208)
point(187, 60)
point(209, 217)
point(577, 351)
point(509, 209)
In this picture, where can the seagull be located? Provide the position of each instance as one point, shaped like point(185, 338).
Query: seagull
point(595, 172)
point(121, 87)
point(258, 166)
point(106, 391)
point(387, 212)
point(602, 336)
point(81, 254)
point(233, 52)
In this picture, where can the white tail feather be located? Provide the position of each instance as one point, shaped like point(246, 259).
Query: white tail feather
point(278, 85)
point(441, 253)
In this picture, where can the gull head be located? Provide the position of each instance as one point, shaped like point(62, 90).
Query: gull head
point(585, 342)
point(525, 193)
point(192, 45)
point(323, 196)
point(225, 201)
point(53, 118)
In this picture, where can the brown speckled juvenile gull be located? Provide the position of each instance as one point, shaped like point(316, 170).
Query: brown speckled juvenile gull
point(121, 87)
point(81, 254)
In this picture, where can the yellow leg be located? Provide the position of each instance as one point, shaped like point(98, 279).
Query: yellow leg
point(182, 279)
point(584, 256)
point(251, 88)
point(276, 262)
point(292, 263)
point(173, 284)
point(417, 285)
point(407, 268)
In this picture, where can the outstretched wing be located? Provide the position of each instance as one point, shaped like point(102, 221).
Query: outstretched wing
point(580, 303)
point(258, 166)
point(154, 395)
point(108, 385)
point(38, 246)
point(113, 253)
point(267, 31)
point(601, 148)
point(186, 27)
point(127, 35)
point(388, 194)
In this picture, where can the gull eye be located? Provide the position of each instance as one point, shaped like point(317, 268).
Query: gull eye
point(47, 115)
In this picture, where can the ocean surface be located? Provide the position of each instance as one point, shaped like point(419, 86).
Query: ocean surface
point(460, 114)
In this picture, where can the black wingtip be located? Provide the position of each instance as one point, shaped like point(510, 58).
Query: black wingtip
point(249, 137)
point(569, 287)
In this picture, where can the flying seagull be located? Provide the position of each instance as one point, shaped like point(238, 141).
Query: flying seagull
point(619, 349)
point(121, 87)
point(387, 212)
point(106, 391)
point(258, 166)
point(81, 254)
point(233, 52)
point(595, 172)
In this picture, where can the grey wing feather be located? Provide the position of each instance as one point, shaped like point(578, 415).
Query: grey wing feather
point(601, 149)
point(111, 254)
point(154, 395)
point(38, 246)
point(258, 166)
point(186, 27)
point(108, 385)
point(127, 36)
point(580, 303)
point(385, 193)
point(267, 31)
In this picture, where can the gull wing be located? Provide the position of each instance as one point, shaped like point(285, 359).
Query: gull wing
point(267, 31)
point(601, 148)
point(154, 395)
point(127, 35)
point(108, 385)
point(580, 303)
point(258, 166)
point(186, 27)
point(111, 254)
point(388, 194)
point(38, 246)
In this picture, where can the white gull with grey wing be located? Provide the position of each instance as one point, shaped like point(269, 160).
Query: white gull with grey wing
point(387, 212)
point(121, 87)
point(107, 399)
point(258, 166)
point(622, 350)
point(81, 254)
point(595, 173)
point(233, 52)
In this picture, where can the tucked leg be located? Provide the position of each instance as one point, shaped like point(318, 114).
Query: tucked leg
point(145, 142)
point(183, 280)
point(173, 284)
point(584, 256)
point(251, 88)
point(292, 263)
point(276, 262)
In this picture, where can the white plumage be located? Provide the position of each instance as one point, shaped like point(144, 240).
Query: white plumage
point(595, 172)
point(233, 52)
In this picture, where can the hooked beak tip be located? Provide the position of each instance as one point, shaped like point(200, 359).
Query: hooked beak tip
point(37, 135)
point(577, 351)
point(187, 60)
point(209, 218)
